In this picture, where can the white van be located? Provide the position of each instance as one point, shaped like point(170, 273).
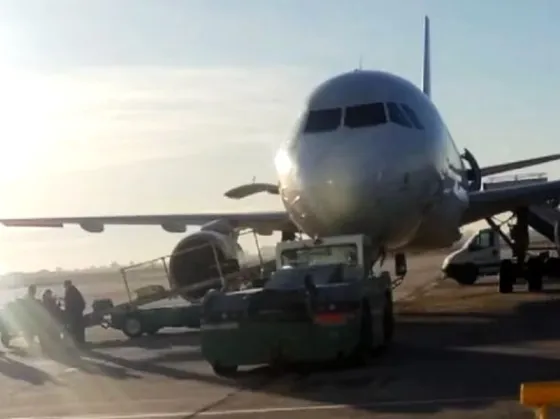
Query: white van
point(482, 254)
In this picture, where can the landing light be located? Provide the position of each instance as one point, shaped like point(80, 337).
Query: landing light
point(282, 162)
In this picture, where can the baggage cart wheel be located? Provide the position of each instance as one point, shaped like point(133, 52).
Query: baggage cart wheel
point(224, 370)
point(132, 326)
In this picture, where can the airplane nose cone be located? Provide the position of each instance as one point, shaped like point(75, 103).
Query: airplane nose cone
point(338, 186)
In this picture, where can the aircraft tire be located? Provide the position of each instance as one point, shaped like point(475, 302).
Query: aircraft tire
point(388, 322)
point(535, 270)
point(364, 348)
point(535, 284)
point(552, 267)
point(468, 275)
point(506, 277)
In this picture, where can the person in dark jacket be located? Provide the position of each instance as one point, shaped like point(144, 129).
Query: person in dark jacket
point(74, 306)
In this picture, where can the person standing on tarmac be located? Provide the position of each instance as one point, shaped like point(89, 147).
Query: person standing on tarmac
point(52, 329)
point(30, 315)
point(74, 306)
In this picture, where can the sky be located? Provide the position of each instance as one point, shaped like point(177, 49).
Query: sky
point(152, 106)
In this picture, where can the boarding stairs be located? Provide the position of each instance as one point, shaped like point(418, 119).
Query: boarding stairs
point(545, 219)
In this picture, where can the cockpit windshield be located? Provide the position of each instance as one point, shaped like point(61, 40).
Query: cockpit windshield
point(368, 115)
point(397, 116)
point(361, 116)
point(323, 120)
point(412, 116)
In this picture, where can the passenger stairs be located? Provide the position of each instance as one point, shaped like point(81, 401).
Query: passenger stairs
point(545, 219)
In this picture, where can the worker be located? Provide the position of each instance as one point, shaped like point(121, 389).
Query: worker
point(32, 292)
point(31, 315)
point(51, 331)
point(74, 306)
point(50, 304)
point(5, 335)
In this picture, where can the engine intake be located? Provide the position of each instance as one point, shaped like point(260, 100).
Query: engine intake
point(199, 258)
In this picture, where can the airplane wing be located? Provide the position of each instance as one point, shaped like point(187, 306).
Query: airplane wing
point(264, 223)
point(514, 165)
point(484, 204)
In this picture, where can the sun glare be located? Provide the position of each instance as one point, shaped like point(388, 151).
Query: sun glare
point(28, 123)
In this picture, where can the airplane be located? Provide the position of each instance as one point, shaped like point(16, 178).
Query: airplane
point(370, 155)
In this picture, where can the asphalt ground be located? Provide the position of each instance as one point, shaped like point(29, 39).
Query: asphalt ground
point(459, 352)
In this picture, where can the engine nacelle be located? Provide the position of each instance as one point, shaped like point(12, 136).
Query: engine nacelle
point(195, 259)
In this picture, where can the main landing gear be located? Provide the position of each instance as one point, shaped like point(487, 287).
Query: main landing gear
point(532, 269)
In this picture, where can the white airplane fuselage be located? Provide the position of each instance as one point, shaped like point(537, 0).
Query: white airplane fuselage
point(351, 169)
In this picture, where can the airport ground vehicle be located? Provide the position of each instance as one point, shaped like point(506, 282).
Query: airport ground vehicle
point(508, 254)
point(156, 307)
point(322, 303)
point(134, 321)
point(153, 309)
point(482, 254)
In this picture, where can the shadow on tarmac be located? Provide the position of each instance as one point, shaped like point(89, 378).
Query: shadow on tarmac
point(467, 358)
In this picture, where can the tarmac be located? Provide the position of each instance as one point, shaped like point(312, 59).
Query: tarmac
point(459, 352)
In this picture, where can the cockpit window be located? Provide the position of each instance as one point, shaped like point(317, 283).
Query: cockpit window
point(397, 116)
point(323, 120)
point(365, 115)
point(412, 116)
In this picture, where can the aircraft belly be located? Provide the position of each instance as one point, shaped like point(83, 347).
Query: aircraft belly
point(403, 220)
point(440, 226)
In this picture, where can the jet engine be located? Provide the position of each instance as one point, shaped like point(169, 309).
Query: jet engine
point(201, 257)
point(474, 175)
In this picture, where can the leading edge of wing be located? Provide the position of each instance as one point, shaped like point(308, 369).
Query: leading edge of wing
point(519, 164)
point(269, 220)
point(487, 203)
